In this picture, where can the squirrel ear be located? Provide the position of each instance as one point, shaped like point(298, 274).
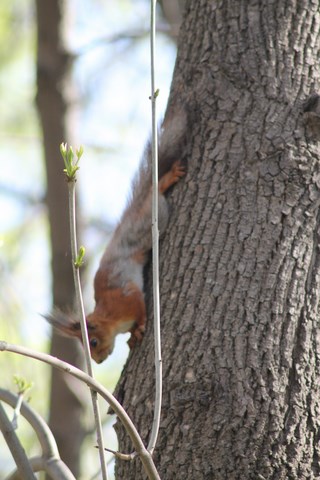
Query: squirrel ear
point(90, 326)
point(63, 323)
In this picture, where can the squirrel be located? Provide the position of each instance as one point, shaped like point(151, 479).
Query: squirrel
point(118, 283)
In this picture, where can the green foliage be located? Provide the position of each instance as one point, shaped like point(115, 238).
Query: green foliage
point(22, 384)
point(79, 260)
point(69, 161)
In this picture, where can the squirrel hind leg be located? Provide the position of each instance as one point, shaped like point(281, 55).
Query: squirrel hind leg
point(172, 176)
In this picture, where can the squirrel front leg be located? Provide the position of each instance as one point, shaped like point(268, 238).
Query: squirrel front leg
point(138, 329)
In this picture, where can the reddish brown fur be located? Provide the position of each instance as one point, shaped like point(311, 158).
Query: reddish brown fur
point(116, 308)
point(116, 312)
point(170, 178)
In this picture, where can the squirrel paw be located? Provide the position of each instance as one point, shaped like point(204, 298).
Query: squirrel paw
point(173, 176)
point(178, 170)
point(136, 335)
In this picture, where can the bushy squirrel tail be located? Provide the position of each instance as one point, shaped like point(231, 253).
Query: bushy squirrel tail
point(171, 139)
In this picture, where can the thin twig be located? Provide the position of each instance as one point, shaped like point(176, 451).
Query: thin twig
point(155, 242)
point(23, 386)
point(16, 411)
point(53, 467)
point(85, 338)
point(50, 461)
point(141, 450)
point(122, 456)
point(15, 446)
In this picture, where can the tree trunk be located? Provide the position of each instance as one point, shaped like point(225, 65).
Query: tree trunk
point(240, 260)
point(66, 408)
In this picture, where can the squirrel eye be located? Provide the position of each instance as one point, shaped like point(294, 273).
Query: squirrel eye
point(93, 342)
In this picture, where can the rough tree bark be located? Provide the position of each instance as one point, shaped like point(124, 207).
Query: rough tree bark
point(66, 407)
point(240, 260)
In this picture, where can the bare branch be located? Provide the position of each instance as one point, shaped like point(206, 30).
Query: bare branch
point(141, 450)
point(71, 169)
point(155, 241)
point(15, 446)
point(50, 461)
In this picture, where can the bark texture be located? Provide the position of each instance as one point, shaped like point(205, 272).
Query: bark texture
point(240, 260)
point(66, 407)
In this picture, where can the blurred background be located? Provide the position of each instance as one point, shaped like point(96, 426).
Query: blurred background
point(108, 112)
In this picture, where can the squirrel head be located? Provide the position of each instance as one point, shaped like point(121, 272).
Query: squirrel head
point(100, 333)
point(101, 336)
point(117, 311)
point(102, 329)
